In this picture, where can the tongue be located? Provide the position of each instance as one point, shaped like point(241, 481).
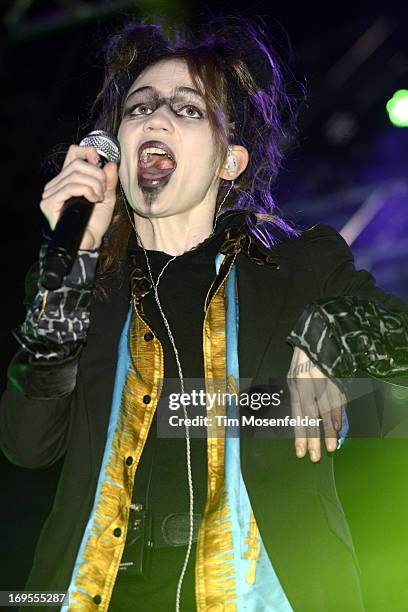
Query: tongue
point(155, 166)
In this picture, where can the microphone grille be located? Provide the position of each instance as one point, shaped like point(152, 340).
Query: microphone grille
point(107, 145)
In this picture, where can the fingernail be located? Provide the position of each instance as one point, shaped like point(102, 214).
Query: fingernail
point(300, 451)
point(313, 455)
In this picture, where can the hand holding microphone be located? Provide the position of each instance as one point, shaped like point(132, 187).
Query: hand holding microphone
point(78, 203)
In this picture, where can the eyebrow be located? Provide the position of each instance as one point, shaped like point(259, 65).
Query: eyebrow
point(183, 89)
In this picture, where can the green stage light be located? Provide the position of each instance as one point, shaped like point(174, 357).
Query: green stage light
point(397, 108)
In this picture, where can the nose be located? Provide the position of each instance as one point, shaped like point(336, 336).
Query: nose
point(159, 120)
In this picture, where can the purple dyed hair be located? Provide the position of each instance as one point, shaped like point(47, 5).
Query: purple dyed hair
point(233, 63)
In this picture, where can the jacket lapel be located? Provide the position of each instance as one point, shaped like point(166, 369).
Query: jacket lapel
point(262, 292)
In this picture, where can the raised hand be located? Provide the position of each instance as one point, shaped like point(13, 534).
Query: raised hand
point(81, 176)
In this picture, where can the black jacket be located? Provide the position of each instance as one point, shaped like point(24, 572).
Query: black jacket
point(295, 502)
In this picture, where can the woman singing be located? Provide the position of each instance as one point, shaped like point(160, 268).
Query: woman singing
point(187, 271)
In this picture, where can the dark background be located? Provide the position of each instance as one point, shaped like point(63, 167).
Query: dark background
point(349, 170)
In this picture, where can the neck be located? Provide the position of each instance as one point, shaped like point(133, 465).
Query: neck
point(177, 233)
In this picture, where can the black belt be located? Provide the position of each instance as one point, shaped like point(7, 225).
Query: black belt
point(147, 533)
point(174, 529)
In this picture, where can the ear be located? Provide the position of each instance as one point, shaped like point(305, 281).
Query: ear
point(235, 163)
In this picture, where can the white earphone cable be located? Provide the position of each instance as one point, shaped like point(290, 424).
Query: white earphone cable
point(180, 373)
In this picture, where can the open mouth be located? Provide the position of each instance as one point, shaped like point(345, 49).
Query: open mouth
point(156, 164)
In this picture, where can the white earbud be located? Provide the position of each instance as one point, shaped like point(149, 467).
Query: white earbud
point(231, 163)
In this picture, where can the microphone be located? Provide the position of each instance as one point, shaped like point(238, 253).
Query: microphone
point(64, 243)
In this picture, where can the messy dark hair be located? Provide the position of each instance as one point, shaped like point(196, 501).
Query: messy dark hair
point(233, 65)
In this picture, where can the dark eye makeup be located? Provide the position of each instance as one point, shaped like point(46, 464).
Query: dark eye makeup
point(180, 107)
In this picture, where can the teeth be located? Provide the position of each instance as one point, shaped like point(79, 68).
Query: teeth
point(153, 151)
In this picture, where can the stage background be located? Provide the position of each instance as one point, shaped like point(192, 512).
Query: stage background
point(349, 170)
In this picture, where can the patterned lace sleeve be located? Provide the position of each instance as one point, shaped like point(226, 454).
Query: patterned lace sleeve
point(345, 334)
point(57, 321)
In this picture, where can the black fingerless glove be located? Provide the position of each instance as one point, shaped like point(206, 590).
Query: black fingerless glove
point(345, 334)
point(57, 321)
point(53, 333)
